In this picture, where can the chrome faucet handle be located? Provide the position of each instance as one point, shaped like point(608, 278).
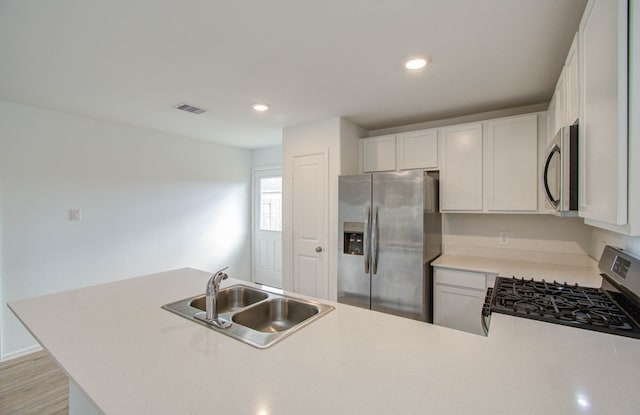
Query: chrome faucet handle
point(221, 271)
point(221, 274)
point(214, 282)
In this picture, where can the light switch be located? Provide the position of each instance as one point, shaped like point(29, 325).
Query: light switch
point(75, 214)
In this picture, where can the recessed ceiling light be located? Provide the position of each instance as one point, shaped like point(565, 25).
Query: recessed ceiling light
point(260, 107)
point(417, 63)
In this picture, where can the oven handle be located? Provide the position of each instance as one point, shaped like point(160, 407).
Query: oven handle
point(485, 316)
point(484, 319)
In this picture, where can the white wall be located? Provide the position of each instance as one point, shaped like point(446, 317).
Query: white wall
point(531, 237)
point(350, 135)
point(601, 237)
point(267, 156)
point(150, 202)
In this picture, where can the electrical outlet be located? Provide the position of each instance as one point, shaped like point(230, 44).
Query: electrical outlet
point(503, 238)
point(75, 215)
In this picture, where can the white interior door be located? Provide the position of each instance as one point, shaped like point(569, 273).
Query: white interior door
point(267, 227)
point(310, 225)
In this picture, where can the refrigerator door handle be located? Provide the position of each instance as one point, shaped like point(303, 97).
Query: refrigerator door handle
point(374, 241)
point(367, 242)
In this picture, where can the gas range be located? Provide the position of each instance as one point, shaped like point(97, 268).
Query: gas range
point(614, 308)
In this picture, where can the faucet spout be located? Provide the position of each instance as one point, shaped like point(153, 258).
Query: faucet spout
point(213, 288)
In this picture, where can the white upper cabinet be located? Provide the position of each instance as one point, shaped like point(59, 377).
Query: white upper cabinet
point(561, 103)
point(633, 227)
point(490, 167)
point(461, 170)
point(417, 149)
point(603, 139)
point(572, 84)
point(378, 153)
point(551, 120)
point(565, 103)
point(511, 164)
point(405, 151)
point(485, 167)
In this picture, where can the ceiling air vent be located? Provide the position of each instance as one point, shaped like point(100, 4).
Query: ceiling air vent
point(190, 108)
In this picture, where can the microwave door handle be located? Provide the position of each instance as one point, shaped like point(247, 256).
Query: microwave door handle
point(545, 177)
point(367, 241)
point(374, 241)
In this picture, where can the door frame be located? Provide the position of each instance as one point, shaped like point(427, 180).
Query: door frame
point(254, 197)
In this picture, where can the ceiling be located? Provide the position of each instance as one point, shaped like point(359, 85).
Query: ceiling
point(132, 61)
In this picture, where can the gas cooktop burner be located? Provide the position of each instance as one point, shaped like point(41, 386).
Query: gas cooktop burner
point(570, 305)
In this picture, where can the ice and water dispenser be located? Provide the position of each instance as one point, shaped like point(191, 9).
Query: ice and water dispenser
point(353, 238)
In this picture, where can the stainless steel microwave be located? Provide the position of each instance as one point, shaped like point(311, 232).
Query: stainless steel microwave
point(560, 173)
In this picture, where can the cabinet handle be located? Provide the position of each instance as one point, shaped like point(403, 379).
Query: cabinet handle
point(318, 249)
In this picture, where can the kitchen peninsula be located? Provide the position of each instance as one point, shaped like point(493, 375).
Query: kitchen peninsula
point(126, 355)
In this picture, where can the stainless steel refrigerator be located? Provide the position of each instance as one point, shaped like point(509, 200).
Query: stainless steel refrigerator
point(390, 230)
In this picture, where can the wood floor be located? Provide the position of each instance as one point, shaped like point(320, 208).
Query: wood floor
point(33, 384)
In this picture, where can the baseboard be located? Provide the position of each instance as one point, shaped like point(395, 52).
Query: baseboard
point(21, 352)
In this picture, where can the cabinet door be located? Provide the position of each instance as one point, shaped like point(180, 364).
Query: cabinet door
point(511, 159)
point(572, 83)
point(551, 120)
point(418, 150)
point(379, 153)
point(561, 104)
point(458, 299)
point(461, 170)
point(603, 116)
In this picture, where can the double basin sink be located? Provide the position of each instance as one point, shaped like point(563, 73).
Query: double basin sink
point(259, 318)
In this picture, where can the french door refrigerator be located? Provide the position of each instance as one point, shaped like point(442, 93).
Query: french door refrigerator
point(390, 230)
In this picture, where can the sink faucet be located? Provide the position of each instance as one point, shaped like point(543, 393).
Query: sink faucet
point(213, 288)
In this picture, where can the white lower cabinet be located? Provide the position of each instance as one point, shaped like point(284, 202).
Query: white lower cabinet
point(458, 299)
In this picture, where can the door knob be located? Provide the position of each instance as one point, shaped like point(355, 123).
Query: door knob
point(318, 249)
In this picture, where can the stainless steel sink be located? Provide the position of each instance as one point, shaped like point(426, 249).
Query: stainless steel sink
point(259, 318)
point(276, 315)
point(232, 299)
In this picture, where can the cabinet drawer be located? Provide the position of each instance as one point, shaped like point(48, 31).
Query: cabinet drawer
point(458, 308)
point(467, 279)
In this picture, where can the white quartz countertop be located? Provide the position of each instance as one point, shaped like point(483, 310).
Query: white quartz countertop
point(586, 274)
point(131, 357)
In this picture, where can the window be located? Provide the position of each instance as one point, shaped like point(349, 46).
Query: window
point(271, 204)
